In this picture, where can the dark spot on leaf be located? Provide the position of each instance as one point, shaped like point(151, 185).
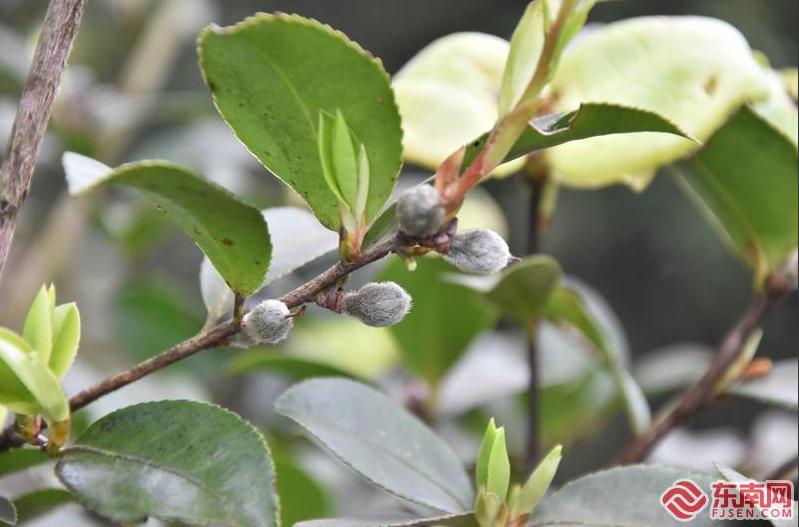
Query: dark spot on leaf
point(711, 84)
point(228, 242)
point(211, 86)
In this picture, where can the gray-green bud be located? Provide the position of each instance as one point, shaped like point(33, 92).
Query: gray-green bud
point(420, 211)
point(267, 323)
point(478, 251)
point(378, 304)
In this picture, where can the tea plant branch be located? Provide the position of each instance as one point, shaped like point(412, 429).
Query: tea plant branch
point(509, 128)
point(695, 397)
point(217, 336)
point(537, 182)
point(220, 334)
point(143, 73)
point(531, 451)
point(55, 41)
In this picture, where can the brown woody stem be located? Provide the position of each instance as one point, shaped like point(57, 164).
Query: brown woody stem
point(695, 397)
point(58, 32)
point(212, 338)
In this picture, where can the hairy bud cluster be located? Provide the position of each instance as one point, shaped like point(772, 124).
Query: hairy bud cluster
point(378, 304)
point(478, 251)
point(267, 323)
point(420, 211)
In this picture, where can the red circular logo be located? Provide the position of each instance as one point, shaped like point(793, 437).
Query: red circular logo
point(684, 500)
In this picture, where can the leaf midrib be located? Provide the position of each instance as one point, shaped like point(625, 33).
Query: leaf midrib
point(287, 81)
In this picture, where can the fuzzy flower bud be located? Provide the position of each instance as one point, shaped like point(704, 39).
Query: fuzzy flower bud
point(420, 211)
point(478, 251)
point(378, 304)
point(267, 323)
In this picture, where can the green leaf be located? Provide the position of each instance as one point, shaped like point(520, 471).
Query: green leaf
point(8, 514)
point(178, 461)
point(345, 162)
point(294, 367)
point(230, 232)
point(34, 504)
point(628, 496)
point(589, 120)
point(525, 51)
point(66, 338)
point(524, 289)
point(537, 484)
point(380, 440)
point(443, 321)
point(484, 454)
point(487, 507)
point(301, 497)
point(339, 152)
point(53, 332)
point(26, 384)
point(264, 74)
point(777, 387)
point(498, 476)
point(18, 459)
point(568, 306)
point(574, 23)
point(693, 71)
point(745, 178)
point(449, 520)
point(13, 392)
point(325, 139)
point(38, 327)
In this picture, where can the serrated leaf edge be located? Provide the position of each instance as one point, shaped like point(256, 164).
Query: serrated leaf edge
point(351, 466)
point(308, 22)
point(250, 428)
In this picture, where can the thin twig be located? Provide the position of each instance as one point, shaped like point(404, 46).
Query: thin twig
point(215, 337)
point(143, 73)
point(211, 339)
point(58, 32)
point(220, 334)
point(695, 397)
point(534, 234)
